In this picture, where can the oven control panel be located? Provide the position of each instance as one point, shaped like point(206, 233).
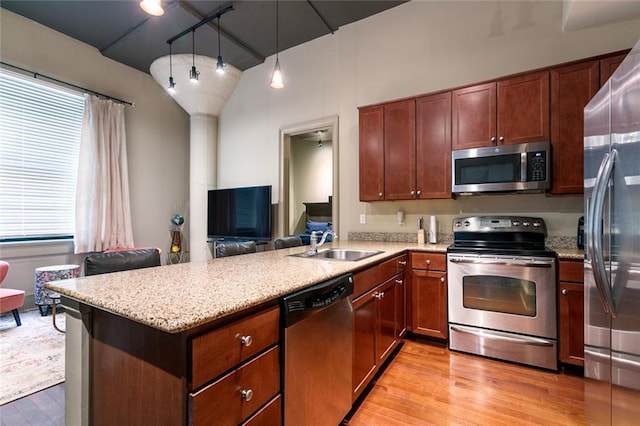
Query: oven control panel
point(499, 224)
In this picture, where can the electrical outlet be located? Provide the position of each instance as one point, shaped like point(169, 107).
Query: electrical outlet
point(363, 219)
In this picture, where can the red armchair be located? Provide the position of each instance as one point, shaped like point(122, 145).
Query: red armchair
point(10, 300)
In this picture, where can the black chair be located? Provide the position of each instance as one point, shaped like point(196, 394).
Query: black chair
point(234, 249)
point(286, 242)
point(115, 261)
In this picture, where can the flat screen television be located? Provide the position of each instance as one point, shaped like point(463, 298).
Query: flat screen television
point(240, 213)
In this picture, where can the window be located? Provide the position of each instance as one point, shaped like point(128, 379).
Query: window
point(40, 129)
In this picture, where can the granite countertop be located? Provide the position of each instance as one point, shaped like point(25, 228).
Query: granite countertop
point(175, 298)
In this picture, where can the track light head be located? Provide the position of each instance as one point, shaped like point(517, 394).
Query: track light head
point(194, 74)
point(172, 86)
point(220, 65)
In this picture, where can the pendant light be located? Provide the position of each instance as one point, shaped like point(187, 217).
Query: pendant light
point(220, 64)
point(172, 85)
point(193, 74)
point(152, 7)
point(276, 77)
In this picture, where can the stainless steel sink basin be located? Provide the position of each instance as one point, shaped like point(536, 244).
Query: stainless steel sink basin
point(340, 254)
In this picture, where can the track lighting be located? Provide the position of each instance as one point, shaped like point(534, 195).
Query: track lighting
point(193, 74)
point(172, 85)
point(152, 7)
point(220, 64)
point(276, 77)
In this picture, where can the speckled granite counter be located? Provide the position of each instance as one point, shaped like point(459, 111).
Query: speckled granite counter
point(175, 298)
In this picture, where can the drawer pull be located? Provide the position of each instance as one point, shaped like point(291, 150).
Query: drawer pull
point(399, 282)
point(247, 395)
point(428, 261)
point(246, 340)
point(402, 262)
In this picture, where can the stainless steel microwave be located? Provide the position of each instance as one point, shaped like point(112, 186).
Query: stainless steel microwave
point(505, 168)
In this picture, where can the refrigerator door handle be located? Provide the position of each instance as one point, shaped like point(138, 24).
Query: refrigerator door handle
point(594, 244)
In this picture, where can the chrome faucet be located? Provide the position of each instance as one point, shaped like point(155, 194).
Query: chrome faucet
point(314, 241)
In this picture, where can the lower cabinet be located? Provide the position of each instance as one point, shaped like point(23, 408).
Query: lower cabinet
point(429, 294)
point(379, 318)
point(571, 313)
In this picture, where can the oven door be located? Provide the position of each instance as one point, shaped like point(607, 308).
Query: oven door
point(505, 293)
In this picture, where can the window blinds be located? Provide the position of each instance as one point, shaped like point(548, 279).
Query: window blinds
point(39, 139)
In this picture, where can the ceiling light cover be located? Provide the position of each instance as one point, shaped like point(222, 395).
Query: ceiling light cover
point(172, 86)
point(152, 7)
point(194, 75)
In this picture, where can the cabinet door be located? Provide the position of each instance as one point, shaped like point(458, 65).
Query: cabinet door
point(433, 146)
point(400, 150)
point(572, 87)
point(473, 116)
point(401, 305)
point(429, 303)
point(608, 66)
point(364, 341)
point(571, 323)
point(523, 109)
point(371, 145)
point(386, 335)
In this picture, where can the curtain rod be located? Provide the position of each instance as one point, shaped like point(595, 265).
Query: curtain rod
point(37, 75)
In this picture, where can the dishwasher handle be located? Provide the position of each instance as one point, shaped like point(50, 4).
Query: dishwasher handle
point(303, 303)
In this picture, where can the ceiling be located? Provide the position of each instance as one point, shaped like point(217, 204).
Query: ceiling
point(122, 31)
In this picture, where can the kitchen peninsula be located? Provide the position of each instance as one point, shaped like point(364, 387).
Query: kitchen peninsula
point(157, 339)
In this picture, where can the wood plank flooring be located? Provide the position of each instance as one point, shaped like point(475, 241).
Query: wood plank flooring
point(424, 384)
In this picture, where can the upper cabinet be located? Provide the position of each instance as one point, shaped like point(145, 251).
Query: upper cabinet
point(371, 128)
point(509, 111)
point(405, 149)
point(608, 66)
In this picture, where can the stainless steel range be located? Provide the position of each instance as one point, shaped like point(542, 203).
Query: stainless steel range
point(502, 290)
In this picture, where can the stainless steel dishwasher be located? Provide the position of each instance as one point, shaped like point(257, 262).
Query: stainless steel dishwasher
point(318, 350)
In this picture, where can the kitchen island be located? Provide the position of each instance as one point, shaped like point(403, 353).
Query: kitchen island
point(141, 346)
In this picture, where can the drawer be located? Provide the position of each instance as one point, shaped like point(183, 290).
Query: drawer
point(269, 415)
point(430, 261)
point(215, 352)
point(222, 402)
point(391, 267)
point(364, 281)
point(571, 271)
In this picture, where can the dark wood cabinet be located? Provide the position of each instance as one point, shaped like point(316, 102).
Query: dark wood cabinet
point(571, 313)
point(429, 294)
point(433, 146)
point(399, 150)
point(514, 110)
point(371, 146)
point(572, 87)
point(608, 66)
point(378, 318)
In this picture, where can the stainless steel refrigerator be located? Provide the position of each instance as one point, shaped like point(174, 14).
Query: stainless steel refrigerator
point(612, 236)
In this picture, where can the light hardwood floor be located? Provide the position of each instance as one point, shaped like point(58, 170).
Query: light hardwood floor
point(425, 384)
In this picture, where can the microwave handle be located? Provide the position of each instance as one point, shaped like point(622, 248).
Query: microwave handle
point(523, 167)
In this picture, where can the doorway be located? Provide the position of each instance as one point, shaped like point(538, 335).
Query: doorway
point(308, 172)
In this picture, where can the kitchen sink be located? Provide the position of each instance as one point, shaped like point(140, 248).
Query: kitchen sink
point(340, 254)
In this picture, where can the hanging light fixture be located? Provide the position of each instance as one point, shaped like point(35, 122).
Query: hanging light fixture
point(276, 77)
point(220, 64)
point(152, 7)
point(172, 85)
point(193, 74)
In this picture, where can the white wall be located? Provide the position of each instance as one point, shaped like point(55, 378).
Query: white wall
point(418, 47)
point(157, 138)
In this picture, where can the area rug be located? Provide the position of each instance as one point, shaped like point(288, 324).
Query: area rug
point(31, 356)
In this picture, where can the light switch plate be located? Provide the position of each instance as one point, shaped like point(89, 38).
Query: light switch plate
point(363, 219)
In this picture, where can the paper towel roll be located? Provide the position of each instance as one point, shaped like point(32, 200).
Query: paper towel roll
point(433, 229)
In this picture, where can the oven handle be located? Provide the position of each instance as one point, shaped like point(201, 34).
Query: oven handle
point(528, 263)
point(534, 341)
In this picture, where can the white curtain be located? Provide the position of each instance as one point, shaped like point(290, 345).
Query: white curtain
point(103, 213)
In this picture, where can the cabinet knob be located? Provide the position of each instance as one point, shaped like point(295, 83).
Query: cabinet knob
point(399, 282)
point(428, 261)
point(442, 279)
point(402, 262)
point(379, 194)
point(413, 192)
point(246, 340)
point(419, 192)
point(501, 139)
point(376, 295)
point(382, 295)
point(247, 394)
point(565, 291)
point(493, 139)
